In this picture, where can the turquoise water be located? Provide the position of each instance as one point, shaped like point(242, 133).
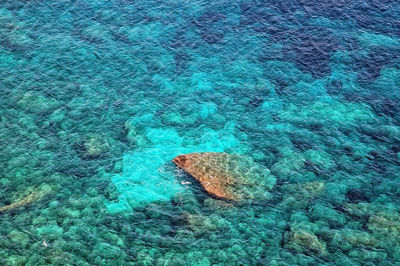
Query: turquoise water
point(98, 96)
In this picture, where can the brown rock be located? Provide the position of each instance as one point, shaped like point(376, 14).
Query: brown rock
point(30, 197)
point(228, 176)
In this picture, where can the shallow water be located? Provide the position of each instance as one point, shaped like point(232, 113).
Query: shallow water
point(98, 96)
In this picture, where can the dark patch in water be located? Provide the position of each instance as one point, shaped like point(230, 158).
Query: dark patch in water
point(212, 37)
point(180, 40)
point(286, 230)
point(356, 196)
point(395, 148)
point(377, 167)
point(310, 48)
point(181, 61)
point(370, 65)
point(334, 87)
point(387, 107)
point(316, 127)
point(256, 101)
point(312, 167)
point(209, 31)
point(372, 155)
point(300, 144)
point(348, 150)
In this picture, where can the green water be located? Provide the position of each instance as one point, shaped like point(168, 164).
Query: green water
point(97, 97)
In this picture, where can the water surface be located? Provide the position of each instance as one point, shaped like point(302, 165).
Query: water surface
point(98, 96)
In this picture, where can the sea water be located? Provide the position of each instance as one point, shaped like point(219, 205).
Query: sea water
point(98, 96)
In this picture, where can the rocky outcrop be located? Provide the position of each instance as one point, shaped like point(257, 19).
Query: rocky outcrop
point(228, 176)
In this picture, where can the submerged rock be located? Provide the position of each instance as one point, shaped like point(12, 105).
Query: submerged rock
point(388, 223)
point(37, 103)
point(302, 241)
point(50, 231)
point(228, 176)
point(299, 196)
point(359, 238)
point(19, 238)
point(314, 188)
point(93, 146)
point(96, 145)
point(31, 197)
point(199, 223)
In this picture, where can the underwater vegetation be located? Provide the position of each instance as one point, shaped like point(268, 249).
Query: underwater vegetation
point(97, 98)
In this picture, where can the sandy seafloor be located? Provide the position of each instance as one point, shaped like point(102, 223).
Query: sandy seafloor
point(98, 96)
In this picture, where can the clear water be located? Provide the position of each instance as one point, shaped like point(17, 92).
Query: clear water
point(98, 96)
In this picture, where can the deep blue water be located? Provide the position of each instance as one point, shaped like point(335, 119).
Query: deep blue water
point(98, 96)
